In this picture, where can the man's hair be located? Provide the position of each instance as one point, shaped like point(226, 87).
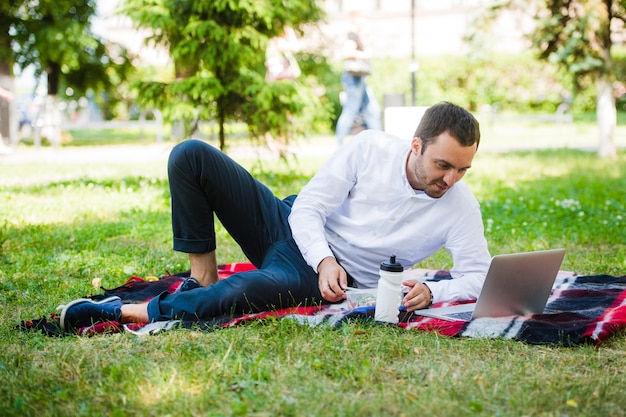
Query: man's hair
point(448, 117)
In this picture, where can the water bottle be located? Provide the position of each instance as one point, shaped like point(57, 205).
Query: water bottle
point(389, 294)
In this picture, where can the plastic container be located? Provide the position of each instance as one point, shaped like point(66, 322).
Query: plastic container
point(389, 294)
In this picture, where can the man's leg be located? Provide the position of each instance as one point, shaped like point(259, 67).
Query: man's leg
point(204, 267)
point(284, 280)
point(205, 182)
point(135, 313)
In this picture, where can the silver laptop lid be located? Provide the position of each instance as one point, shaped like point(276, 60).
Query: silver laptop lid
point(519, 283)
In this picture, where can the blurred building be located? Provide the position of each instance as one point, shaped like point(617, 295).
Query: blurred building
point(397, 28)
point(401, 28)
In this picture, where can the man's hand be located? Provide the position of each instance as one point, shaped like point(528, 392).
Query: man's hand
point(418, 297)
point(333, 280)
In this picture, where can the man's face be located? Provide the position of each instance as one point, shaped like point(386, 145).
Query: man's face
point(444, 162)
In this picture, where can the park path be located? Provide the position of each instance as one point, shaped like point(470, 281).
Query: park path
point(321, 146)
point(131, 153)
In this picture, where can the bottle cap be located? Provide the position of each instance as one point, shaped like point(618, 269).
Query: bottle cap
point(392, 265)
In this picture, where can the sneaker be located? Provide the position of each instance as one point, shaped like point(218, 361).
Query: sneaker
point(85, 312)
point(189, 284)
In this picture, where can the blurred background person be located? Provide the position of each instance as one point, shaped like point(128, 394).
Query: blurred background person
point(358, 101)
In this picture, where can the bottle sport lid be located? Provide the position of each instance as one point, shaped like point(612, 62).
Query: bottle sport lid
point(392, 265)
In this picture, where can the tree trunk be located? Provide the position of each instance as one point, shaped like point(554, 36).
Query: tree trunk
point(606, 113)
point(8, 114)
point(49, 124)
point(221, 121)
point(607, 118)
point(8, 111)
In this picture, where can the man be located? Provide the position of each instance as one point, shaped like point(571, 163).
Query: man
point(376, 196)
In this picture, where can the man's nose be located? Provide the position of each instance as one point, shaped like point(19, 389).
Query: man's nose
point(451, 177)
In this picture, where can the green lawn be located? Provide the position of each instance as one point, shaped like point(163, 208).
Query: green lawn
point(67, 220)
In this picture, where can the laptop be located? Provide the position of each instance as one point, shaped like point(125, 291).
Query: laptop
point(516, 284)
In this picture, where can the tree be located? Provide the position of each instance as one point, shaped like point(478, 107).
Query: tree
point(55, 38)
point(218, 52)
point(578, 35)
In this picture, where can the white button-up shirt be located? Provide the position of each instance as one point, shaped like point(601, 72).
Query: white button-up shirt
point(360, 208)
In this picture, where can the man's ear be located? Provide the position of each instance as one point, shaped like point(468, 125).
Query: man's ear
point(416, 145)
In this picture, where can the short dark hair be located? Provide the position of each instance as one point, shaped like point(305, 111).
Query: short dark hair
point(448, 117)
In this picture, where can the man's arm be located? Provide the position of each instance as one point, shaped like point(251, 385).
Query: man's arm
point(470, 256)
point(324, 194)
point(471, 259)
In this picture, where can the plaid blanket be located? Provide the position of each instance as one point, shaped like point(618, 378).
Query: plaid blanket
point(581, 309)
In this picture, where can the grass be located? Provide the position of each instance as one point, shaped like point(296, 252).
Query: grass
point(87, 137)
point(65, 221)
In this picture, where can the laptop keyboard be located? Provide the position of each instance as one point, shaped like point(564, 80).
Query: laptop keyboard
point(463, 315)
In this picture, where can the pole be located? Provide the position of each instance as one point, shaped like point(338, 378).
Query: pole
point(413, 67)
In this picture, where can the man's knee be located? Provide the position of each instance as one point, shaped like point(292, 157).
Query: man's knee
point(186, 156)
point(184, 149)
